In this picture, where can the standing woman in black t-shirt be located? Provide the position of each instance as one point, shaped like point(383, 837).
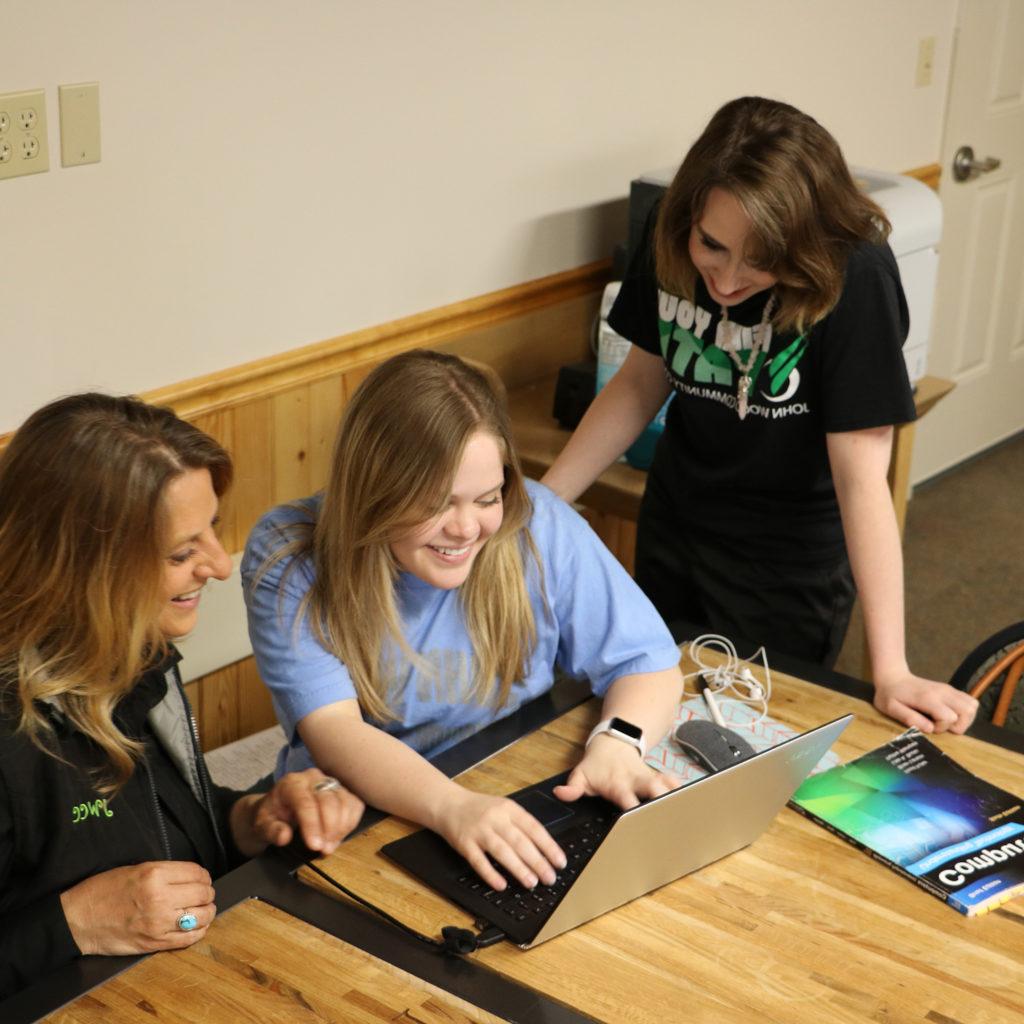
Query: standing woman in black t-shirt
point(764, 296)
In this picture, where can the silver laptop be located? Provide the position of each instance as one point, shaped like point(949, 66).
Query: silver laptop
point(616, 856)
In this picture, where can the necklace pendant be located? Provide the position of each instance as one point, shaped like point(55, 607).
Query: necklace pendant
point(741, 396)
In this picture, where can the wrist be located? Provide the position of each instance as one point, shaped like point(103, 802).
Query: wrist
point(889, 674)
point(611, 752)
point(439, 801)
point(621, 731)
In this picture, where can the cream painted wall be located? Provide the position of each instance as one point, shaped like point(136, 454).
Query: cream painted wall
point(277, 173)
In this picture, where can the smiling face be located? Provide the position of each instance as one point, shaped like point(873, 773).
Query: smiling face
point(442, 550)
point(192, 551)
point(719, 240)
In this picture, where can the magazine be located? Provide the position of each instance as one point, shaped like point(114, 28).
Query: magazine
point(916, 810)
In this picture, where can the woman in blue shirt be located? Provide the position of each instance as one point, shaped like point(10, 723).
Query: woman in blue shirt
point(429, 591)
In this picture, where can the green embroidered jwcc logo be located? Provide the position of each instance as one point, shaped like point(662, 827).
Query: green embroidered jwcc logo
point(93, 809)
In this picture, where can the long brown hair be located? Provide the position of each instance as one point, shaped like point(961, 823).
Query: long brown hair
point(398, 448)
point(82, 536)
point(790, 177)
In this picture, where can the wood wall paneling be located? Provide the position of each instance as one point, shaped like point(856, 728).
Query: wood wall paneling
point(230, 703)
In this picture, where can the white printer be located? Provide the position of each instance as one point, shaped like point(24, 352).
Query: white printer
point(913, 210)
point(915, 213)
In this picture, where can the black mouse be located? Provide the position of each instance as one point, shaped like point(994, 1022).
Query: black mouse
point(712, 746)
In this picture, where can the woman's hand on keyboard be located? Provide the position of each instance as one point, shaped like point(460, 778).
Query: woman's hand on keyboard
point(477, 825)
point(614, 770)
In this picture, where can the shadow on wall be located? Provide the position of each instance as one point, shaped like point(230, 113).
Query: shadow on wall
point(594, 232)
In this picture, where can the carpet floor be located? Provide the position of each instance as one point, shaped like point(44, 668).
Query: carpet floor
point(963, 562)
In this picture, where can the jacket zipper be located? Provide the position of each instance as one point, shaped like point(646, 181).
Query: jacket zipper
point(161, 824)
point(200, 763)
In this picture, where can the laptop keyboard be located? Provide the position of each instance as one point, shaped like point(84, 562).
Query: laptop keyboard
point(578, 843)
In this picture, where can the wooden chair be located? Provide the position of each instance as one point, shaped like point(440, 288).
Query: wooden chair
point(998, 660)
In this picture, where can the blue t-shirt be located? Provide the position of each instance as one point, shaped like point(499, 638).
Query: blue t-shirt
point(600, 626)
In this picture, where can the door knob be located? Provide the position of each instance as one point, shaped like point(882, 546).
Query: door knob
point(966, 167)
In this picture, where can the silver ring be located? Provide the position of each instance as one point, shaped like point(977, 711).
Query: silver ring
point(187, 922)
point(326, 785)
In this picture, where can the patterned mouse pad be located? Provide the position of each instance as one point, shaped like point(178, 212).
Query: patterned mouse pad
point(667, 756)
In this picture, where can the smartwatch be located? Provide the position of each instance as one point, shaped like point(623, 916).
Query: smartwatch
point(621, 730)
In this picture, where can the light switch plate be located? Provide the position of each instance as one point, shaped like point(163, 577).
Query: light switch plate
point(79, 123)
point(23, 145)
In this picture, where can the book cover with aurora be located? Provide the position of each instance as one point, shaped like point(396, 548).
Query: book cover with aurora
point(920, 813)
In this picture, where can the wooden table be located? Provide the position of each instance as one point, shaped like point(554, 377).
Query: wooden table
point(259, 964)
point(799, 927)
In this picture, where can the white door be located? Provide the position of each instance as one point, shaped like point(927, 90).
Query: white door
point(978, 332)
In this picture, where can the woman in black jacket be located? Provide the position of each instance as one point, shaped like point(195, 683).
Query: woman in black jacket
point(110, 829)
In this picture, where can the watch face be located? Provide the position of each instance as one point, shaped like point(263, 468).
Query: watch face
point(626, 728)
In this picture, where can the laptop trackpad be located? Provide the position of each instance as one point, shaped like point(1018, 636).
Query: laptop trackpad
point(546, 809)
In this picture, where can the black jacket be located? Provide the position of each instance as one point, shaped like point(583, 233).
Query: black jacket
point(56, 829)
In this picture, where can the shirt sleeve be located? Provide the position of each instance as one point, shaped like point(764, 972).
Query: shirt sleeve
point(864, 374)
point(634, 315)
point(300, 673)
point(35, 939)
point(607, 626)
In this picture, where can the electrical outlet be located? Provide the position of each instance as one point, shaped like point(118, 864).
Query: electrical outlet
point(23, 145)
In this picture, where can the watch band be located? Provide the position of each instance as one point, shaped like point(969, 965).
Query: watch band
point(622, 730)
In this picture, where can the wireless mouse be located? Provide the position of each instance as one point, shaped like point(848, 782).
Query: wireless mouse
point(712, 746)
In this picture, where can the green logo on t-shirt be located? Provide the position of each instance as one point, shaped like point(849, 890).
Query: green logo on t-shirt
point(695, 362)
point(91, 809)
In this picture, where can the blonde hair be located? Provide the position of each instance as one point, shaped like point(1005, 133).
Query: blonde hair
point(789, 175)
point(82, 536)
point(398, 448)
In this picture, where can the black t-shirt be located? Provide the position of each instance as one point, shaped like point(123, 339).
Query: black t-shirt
point(764, 483)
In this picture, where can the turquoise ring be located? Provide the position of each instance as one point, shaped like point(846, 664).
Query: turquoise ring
point(187, 922)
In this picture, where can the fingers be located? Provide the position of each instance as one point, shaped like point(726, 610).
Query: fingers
point(173, 872)
point(324, 815)
point(929, 706)
point(340, 811)
point(966, 709)
point(571, 791)
point(192, 895)
point(657, 784)
point(177, 937)
point(136, 908)
point(526, 851)
point(477, 860)
point(624, 789)
point(552, 857)
point(520, 855)
point(908, 716)
point(494, 828)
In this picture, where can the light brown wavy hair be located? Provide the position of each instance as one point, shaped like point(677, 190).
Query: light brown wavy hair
point(398, 448)
point(83, 531)
point(789, 175)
